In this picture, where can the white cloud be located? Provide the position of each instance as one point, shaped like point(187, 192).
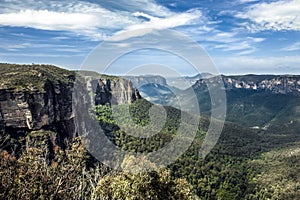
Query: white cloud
point(293, 47)
point(278, 16)
point(246, 52)
point(49, 20)
point(204, 33)
point(241, 47)
point(229, 41)
point(77, 17)
point(18, 47)
point(156, 23)
point(234, 46)
point(256, 39)
point(145, 6)
point(97, 21)
point(246, 1)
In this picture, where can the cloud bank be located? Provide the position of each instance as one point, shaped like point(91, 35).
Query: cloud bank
point(92, 19)
point(277, 16)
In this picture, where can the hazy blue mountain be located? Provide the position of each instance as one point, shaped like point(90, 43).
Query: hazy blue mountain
point(186, 81)
point(156, 93)
point(139, 81)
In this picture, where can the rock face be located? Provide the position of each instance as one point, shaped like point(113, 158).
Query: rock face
point(114, 92)
point(41, 97)
point(33, 110)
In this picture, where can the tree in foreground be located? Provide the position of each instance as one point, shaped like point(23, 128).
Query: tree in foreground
point(135, 184)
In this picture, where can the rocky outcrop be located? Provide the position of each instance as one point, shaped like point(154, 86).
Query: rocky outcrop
point(33, 110)
point(43, 96)
point(114, 91)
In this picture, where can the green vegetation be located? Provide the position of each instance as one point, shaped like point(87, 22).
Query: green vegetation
point(243, 165)
point(262, 110)
point(43, 171)
point(271, 112)
point(35, 174)
point(141, 185)
point(32, 77)
point(277, 174)
point(229, 171)
point(96, 75)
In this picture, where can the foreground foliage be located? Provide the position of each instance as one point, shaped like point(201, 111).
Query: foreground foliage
point(73, 174)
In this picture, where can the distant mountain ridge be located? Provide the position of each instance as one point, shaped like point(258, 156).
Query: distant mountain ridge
point(139, 81)
point(264, 102)
point(187, 81)
point(277, 84)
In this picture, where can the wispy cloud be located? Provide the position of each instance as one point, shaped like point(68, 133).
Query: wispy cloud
point(98, 21)
point(176, 20)
point(231, 41)
point(234, 46)
point(42, 55)
point(37, 46)
point(277, 16)
point(79, 17)
point(246, 1)
point(293, 47)
point(144, 6)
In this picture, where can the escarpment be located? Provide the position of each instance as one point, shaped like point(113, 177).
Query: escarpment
point(36, 97)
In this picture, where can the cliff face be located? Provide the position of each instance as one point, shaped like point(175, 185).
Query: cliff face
point(114, 92)
point(276, 85)
point(284, 84)
point(25, 111)
point(34, 97)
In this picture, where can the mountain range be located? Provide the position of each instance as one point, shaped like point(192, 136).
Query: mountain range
point(42, 136)
point(261, 102)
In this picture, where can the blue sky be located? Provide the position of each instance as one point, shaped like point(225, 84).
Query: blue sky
point(240, 36)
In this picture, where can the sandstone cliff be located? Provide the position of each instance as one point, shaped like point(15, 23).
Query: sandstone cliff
point(114, 92)
point(34, 97)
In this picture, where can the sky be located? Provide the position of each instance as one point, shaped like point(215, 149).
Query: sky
point(239, 36)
